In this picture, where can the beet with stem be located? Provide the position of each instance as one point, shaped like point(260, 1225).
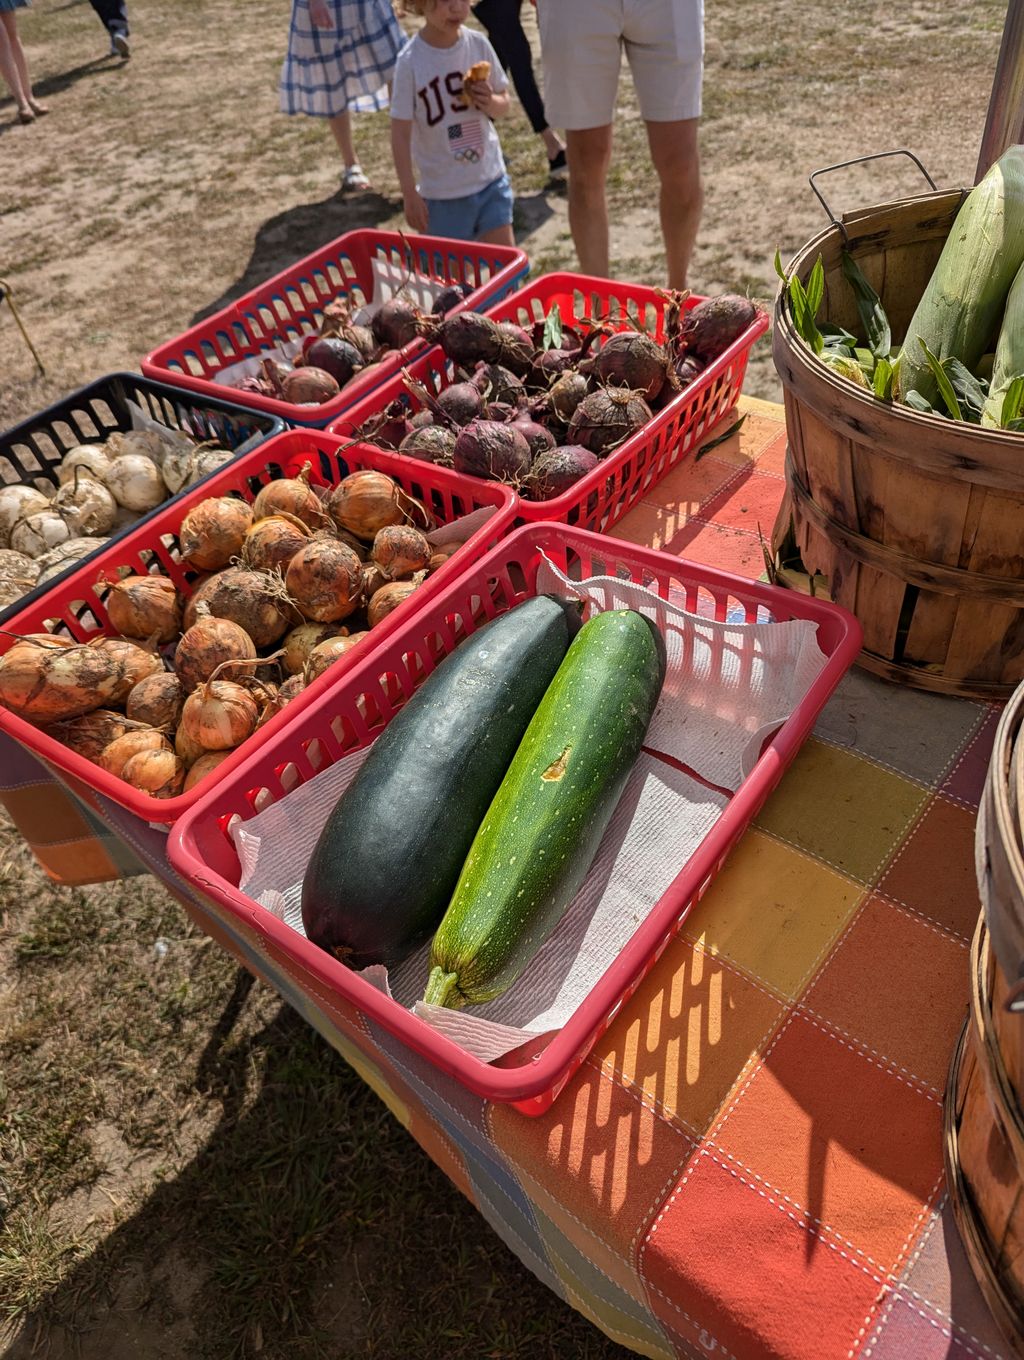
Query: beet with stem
point(395, 323)
point(630, 359)
point(468, 338)
point(461, 402)
point(711, 327)
point(431, 444)
point(449, 297)
point(335, 356)
point(606, 418)
point(557, 470)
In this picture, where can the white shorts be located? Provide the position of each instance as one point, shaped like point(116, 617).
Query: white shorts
point(582, 43)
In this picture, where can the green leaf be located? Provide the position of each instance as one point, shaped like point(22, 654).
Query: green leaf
point(1012, 403)
point(969, 391)
point(942, 382)
point(803, 316)
point(719, 439)
point(865, 358)
point(881, 380)
point(816, 287)
point(552, 338)
point(869, 308)
point(837, 334)
point(778, 266)
point(916, 402)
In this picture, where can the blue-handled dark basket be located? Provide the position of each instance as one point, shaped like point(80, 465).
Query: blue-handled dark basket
point(31, 452)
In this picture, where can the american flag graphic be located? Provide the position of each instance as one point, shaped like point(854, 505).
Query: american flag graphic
point(466, 139)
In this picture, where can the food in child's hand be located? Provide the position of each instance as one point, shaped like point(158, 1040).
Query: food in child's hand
point(480, 70)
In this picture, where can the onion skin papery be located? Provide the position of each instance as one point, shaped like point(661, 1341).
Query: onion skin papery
point(298, 644)
point(116, 756)
point(204, 766)
point(157, 700)
point(90, 734)
point(48, 681)
point(255, 600)
point(138, 662)
point(309, 386)
point(291, 689)
point(399, 550)
point(365, 502)
point(144, 607)
point(135, 482)
point(388, 598)
point(208, 644)
point(219, 715)
point(159, 773)
point(212, 532)
point(326, 653)
point(274, 541)
point(291, 496)
point(325, 580)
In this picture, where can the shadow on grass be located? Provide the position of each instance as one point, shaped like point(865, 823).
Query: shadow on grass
point(309, 1225)
point(297, 232)
point(57, 84)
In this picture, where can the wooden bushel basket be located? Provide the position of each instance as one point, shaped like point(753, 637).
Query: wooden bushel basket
point(916, 521)
point(984, 1142)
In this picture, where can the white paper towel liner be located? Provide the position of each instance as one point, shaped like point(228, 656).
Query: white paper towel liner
point(728, 686)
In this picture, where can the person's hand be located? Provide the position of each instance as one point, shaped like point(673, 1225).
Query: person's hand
point(320, 14)
point(416, 212)
point(479, 93)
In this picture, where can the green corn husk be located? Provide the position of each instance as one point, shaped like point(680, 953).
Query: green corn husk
point(958, 315)
point(846, 367)
point(1009, 361)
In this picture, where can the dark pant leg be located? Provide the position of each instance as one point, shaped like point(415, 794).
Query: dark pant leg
point(505, 30)
point(114, 14)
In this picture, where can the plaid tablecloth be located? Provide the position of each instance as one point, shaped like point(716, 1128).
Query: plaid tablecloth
point(750, 1163)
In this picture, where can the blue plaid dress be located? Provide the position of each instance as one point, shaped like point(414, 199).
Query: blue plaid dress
point(346, 66)
point(6, 6)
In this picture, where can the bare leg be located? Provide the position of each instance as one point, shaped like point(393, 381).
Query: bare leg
point(341, 126)
point(589, 152)
point(10, 67)
point(676, 158)
point(34, 104)
point(498, 236)
point(552, 143)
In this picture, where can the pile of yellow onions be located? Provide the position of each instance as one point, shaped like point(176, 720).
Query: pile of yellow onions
point(280, 591)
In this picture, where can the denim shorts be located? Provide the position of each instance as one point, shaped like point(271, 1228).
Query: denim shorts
point(466, 219)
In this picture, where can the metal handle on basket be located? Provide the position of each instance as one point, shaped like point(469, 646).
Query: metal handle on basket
point(858, 160)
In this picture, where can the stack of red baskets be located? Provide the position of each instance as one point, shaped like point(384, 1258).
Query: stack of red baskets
point(351, 703)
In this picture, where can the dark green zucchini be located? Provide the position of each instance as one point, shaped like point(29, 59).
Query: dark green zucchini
point(542, 831)
point(389, 856)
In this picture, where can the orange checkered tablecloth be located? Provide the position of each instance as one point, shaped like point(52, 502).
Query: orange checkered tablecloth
point(749, 1164)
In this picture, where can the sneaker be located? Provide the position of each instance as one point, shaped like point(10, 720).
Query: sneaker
point(558, 166)
point(354, 179)
point(120, 46)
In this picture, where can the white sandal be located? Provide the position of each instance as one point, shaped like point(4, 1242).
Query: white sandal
point(354, 179)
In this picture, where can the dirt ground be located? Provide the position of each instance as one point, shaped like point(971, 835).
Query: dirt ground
point(185, 1169)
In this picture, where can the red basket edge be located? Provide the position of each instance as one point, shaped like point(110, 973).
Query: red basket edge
point(165, 811)
point(536, 1084)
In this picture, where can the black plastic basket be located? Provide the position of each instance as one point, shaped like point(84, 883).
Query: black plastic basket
point(31, 451)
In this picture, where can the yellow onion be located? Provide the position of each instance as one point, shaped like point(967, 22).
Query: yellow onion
point(291, 689)
point(156, 700)
point(309, 386)
point(298, 644)
point(399, 550)
point(159, 773)
point(208, 644)
point(187, 751)
point(365, 502)
point(324, 579)
point(274, 541)
point(45, 680)
point(373, 580)
point(138, 661)
point(389, 597)
point(325, 654)
point(440, 553)
point(255, 600)
point(144, 607)
point(219, 714)
point(91, 733)
point(291, 496)
point(116, 755)
point(212, 532)
point(203, 766)
point(356, 544)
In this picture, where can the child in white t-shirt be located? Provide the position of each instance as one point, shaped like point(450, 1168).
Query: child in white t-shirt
point(442, 122)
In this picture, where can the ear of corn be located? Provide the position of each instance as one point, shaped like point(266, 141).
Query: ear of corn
point(959, 313)
point(1009, 360)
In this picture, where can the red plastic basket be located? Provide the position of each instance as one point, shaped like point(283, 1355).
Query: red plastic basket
point(291, 303)
point(75, 603)
point(352, 713)
point(603, 496)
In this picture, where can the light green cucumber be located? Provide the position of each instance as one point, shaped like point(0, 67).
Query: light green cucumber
point(541, 832)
